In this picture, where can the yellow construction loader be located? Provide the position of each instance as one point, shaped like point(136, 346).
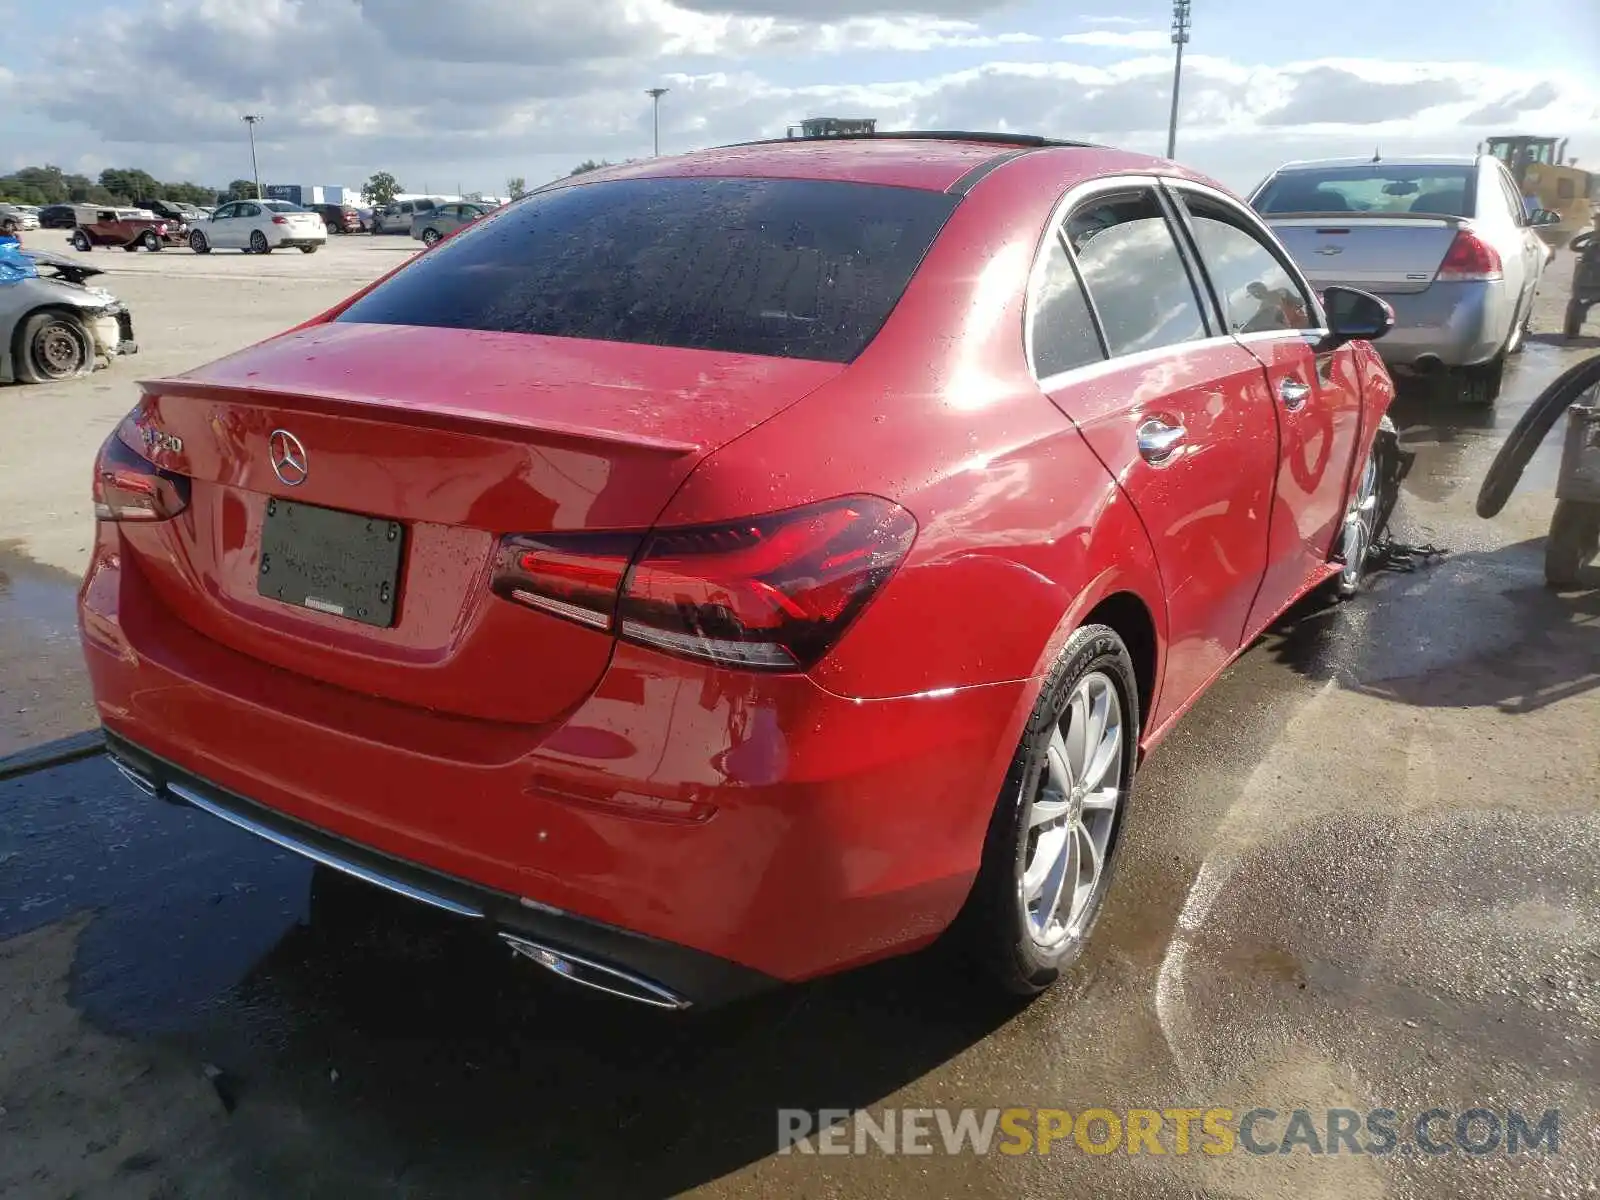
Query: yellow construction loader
point(1541, 164)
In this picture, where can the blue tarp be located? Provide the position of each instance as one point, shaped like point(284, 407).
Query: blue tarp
point(15, 266)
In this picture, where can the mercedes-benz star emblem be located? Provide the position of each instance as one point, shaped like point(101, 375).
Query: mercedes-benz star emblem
point(288, 458)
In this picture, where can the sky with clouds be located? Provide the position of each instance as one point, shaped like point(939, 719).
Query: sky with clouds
point(448, 93)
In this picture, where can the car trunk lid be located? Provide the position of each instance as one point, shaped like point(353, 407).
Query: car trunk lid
point(1393, 254)
point(455, 437)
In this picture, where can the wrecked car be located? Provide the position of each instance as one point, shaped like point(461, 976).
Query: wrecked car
point(129, 228)
point(53, 324)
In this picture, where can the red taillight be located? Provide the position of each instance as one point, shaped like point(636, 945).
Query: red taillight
point(280, 220)
point(1469, 259)
point(769, 593)
point(129, 487)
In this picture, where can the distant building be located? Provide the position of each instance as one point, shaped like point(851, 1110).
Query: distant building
point(824, 127)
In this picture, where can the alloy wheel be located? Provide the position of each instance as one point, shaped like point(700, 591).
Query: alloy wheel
point(1355, 542)
point(1071, 815)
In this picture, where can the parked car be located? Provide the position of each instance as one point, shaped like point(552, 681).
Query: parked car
point(259, 227)
point(339, 218)
point(18, 218)
point(440, 222)
point(54, 326)
point(397, 217)
point(1446, 241)
point(130, 228)
point(172, 210)
point(733, 568)
point(57, 216)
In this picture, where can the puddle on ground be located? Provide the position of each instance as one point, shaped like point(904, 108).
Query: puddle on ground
point(44, 691)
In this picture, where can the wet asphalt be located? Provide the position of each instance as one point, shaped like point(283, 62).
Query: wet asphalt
point(1362, 873)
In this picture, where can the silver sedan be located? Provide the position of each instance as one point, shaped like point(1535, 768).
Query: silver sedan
point(1448, 242)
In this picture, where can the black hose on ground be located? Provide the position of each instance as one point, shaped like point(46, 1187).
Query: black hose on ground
point(1530, 431)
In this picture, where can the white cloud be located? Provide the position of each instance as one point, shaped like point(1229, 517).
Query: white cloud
point(1120, 39)
point(529, 87)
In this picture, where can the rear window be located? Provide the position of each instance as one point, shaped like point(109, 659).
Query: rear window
point(782, 267)
point(281, 206)
point(1377, 188)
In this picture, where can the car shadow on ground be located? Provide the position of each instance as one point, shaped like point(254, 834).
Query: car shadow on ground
point(1527, 646)
point(405, 1029)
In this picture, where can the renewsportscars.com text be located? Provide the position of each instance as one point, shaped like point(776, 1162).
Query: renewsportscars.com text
point(1474, 1131)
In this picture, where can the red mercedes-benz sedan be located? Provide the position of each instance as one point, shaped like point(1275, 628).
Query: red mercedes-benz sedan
point(728, 569)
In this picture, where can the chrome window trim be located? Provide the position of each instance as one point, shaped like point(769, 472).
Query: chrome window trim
point(1073, 197)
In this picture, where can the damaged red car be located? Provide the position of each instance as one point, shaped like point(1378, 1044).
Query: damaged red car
point(719, 571)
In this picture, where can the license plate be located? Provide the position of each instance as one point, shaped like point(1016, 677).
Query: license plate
point(339, 563)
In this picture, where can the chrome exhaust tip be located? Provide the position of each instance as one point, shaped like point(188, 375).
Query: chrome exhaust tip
point(136, 777)
point(601, 977)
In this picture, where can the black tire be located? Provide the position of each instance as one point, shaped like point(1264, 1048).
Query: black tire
point(1572, 544)
point(430, 237)
point(308, 249)
point(198, 243)
point(52, 346)
point(1573, 326)
point(1532, 427)
point(80, 241)
point(259, 243)
point(151, 241)
point(994, 926)
point(1479, 387)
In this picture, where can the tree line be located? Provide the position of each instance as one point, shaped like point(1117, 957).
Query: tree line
point(129, 185)
point(115, 185)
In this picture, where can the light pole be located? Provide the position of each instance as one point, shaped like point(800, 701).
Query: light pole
point(655, 95)
point(250, 120)
point(1180, 38)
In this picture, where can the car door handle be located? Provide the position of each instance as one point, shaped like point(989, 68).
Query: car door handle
point(1293, 393)
point(1158, 440)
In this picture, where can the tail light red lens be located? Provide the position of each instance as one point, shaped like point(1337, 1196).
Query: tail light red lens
point(770, 593)
point(1470, 259)
point(129, 487)
point(280, 220)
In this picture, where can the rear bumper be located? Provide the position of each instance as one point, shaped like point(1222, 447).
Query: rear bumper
point(1448, 325)
point(761, 821)
point(294, 243)
point(667, 975)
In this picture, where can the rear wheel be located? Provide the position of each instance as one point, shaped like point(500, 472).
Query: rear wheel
point(1479, 387)
point(1573, 542)
point(52, 346)
point(1048, 854)
point(80, 240)
point(258, 243)
point(308, 249)
point(1573, 325)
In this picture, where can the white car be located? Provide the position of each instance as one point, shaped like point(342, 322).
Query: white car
point(24, 216)
point(258, 227)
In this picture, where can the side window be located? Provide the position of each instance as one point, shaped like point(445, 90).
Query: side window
point(249, 210)
point(1257, 293)
point(1134, 273)
point(1061, 327)
point(1511, 197)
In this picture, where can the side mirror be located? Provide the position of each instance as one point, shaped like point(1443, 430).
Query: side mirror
point(1354, 315)
point(1543, 216)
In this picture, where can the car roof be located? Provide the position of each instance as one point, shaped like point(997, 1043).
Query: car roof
point(1408, 160)
point(927, 160)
